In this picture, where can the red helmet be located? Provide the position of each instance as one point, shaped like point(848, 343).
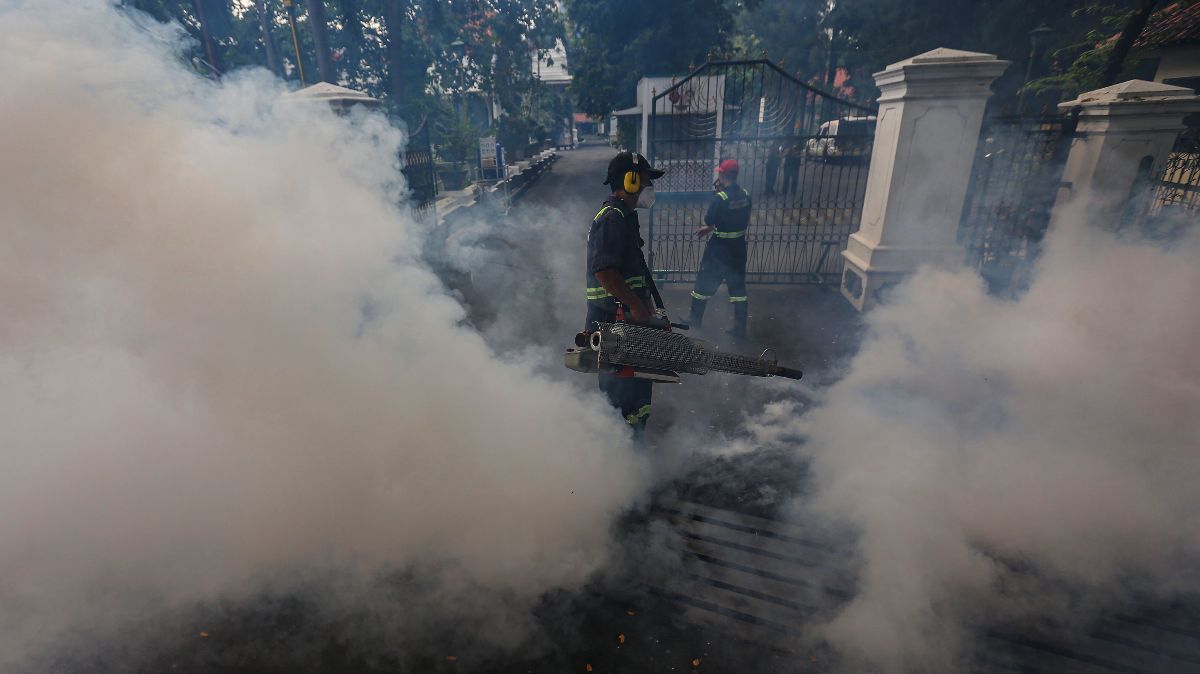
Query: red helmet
point(728, 166)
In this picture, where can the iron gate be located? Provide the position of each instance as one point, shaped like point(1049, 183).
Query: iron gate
point(804, 156)
point(418, 170)
point(1170, 200)
point(1015, 178)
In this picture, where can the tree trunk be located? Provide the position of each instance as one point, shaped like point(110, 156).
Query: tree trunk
point(353, 29)
point(319, 25)
point(269, 46)
point(206, 38)
point(1131, 31)
point(831, 63)
point(394, 19)
point(352, 18)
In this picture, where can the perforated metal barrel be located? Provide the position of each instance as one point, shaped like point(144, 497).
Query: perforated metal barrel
point(638, 346)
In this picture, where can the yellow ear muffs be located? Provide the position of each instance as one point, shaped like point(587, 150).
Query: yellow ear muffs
point(633, 182)
point(633, 179)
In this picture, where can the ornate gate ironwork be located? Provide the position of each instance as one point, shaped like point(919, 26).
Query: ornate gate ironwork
point(1015, 178)
point(804, 156)
point(1171, 199)
point(418, 170)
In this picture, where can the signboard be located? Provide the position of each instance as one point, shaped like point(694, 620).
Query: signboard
point(487, 153)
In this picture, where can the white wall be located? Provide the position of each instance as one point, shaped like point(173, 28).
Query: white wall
point(708, 92)
point(1178, 62)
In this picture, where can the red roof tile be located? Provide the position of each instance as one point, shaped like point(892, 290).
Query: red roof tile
point(1177, 23)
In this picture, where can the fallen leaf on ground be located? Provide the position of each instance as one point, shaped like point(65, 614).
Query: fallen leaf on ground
point(588, 668)
point(204, 634)
point(452, 658)
point(696, 662)
point(620, 638)
point(631, 612)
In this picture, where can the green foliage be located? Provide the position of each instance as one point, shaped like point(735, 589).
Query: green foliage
point(868, 35)
point(789, 31)
point(396, 50)
point(514, 133)
point(1089, 56)
point(400, 50)
point(626, 133)
point(458, 142)
point(614, 43)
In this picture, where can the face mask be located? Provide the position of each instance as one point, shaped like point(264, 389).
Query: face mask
point(646, 197)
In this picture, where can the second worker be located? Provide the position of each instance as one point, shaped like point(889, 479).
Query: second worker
point(724, 260)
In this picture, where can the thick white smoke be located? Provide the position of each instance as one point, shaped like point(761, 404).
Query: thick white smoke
point(1056, 434)
point(220, 359)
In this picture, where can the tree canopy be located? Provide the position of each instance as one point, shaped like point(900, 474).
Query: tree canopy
point(614, 43)
point(1099, 57)
point(419, 56)
point(415, 55)
point(879, 32)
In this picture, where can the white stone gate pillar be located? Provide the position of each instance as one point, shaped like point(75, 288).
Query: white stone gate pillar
point(930, 113)
point(1124, 133)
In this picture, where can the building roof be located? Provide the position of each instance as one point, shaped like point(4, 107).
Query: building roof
point(1175, 24)
point(331, 93)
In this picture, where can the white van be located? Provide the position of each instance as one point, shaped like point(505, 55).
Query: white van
point(843, 139)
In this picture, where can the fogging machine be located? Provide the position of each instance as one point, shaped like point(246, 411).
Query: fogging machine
point(629, 350)
point(643, 352)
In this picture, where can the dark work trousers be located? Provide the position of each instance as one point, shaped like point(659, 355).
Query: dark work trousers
point(630, 396)
point(791, 175)
point(724, 261)
point(772, 173)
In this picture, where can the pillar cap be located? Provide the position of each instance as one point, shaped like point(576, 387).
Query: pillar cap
point(1136, 105)
point(940, 73)
point(1133, 91)
point(943, 56)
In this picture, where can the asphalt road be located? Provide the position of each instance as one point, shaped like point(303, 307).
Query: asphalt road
point(575, 185)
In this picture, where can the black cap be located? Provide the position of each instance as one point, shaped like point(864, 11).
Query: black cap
point(623, 163)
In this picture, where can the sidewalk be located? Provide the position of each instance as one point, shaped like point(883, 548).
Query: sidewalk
point(518, 177)
point(452, 200)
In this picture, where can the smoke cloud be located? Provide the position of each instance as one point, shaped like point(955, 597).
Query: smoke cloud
point(223, 367)
point(1012, 460)
point(221, 361)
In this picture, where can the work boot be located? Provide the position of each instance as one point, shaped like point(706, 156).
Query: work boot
point(741, 311)
point(696, 319)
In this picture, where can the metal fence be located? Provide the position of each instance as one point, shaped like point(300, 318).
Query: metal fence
point(1172, 199)
point(419, 172)
point(1014, 180)
point(804, 156)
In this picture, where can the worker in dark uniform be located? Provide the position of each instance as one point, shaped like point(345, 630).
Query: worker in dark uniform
point(724, 258)
point(773, 160)
point(617, 273)
point(791, 167)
